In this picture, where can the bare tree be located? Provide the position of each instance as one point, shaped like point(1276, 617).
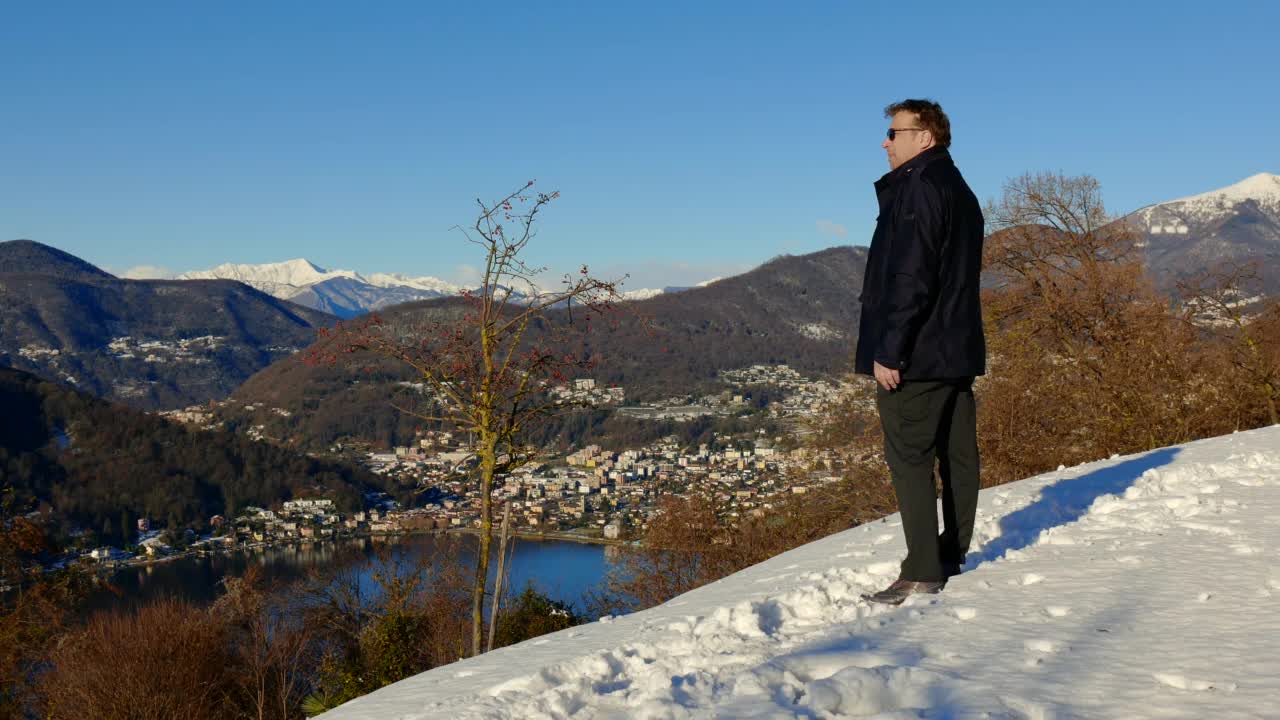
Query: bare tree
point(486, 370)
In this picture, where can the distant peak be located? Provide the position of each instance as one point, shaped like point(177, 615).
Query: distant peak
point(1263, 186)
point(304, 264)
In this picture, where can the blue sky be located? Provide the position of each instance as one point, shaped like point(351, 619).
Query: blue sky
point(688, 140)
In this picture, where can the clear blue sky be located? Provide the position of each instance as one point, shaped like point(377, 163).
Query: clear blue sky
point(688, 139)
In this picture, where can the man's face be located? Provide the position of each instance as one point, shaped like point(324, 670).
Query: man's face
point(909, 139)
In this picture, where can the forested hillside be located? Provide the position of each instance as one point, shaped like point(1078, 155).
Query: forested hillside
point(98, 466)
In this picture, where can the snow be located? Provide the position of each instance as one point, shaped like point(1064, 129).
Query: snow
point(391, 280)
point(292, 277)
point(1139, 586)
point(642, 293)
point(1262, 188)
point(297, 273)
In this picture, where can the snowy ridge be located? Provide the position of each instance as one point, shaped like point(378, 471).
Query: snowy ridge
point(1262, 188)
point(642, 293)
point(1139, 586)
point(343, 292)
point(300, 274)
point(297, 273)
point(388, 280)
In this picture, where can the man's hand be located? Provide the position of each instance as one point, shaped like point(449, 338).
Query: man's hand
point(888, 378)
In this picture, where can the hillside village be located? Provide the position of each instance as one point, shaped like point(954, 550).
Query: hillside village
point(589, 494)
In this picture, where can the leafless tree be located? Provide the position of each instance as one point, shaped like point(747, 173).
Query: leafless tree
point(487, 368)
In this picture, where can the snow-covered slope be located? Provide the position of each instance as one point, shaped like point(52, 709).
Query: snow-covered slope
point(1263, 188)
point(1140, 586)
point(1233, 225)
point(282, 279)
point(342, 292)
point(642, 293)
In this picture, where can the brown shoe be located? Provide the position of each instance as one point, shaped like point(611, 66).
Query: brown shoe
point(900, 589)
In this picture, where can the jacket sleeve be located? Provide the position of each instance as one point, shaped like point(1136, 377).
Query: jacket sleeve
point(912, 273)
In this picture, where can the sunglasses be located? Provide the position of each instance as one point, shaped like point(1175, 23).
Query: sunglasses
point(894, 131)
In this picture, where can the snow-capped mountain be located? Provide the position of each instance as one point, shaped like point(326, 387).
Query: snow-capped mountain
point(1237, 223)
point(344, 293)
point(1262, 189)
point(1134, 587)
point(278, 279)
point(347, 293)
point(642, 293)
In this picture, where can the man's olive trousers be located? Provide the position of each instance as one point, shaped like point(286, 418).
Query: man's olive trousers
point(924, 421)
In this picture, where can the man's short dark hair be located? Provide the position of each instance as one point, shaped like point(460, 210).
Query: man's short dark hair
point(930, 117)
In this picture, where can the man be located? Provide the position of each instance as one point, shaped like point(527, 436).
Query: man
point(920, 335)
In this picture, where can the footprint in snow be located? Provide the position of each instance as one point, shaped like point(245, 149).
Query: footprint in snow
point(1183, 682)
point(1041, 645)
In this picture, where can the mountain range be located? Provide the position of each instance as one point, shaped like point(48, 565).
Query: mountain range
point(150, 343)
point(343, 293)
point(346, 293)
point(169, 343)
point(801, 311)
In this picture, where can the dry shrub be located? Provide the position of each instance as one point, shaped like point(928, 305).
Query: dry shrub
point(692, 540)
point(1241, 328)
point(34, 606)
point(166, 660)
point(415, 616)
point(274, 653)
point(31, 621)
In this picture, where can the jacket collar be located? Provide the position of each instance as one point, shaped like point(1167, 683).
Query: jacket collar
point(937, 152)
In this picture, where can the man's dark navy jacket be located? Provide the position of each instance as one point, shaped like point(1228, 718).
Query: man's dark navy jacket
point(921, 310)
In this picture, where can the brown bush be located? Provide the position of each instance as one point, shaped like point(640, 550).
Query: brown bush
point(166, 660)
point(274, 653)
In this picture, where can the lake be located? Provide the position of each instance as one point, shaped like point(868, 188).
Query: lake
point(563, 570)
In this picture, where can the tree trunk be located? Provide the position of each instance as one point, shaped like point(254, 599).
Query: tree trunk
point(488, 460)
point(502, 567)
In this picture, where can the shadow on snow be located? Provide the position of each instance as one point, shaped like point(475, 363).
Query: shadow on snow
point(1065, 502)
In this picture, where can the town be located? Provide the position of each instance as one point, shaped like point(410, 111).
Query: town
point(590, 494)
